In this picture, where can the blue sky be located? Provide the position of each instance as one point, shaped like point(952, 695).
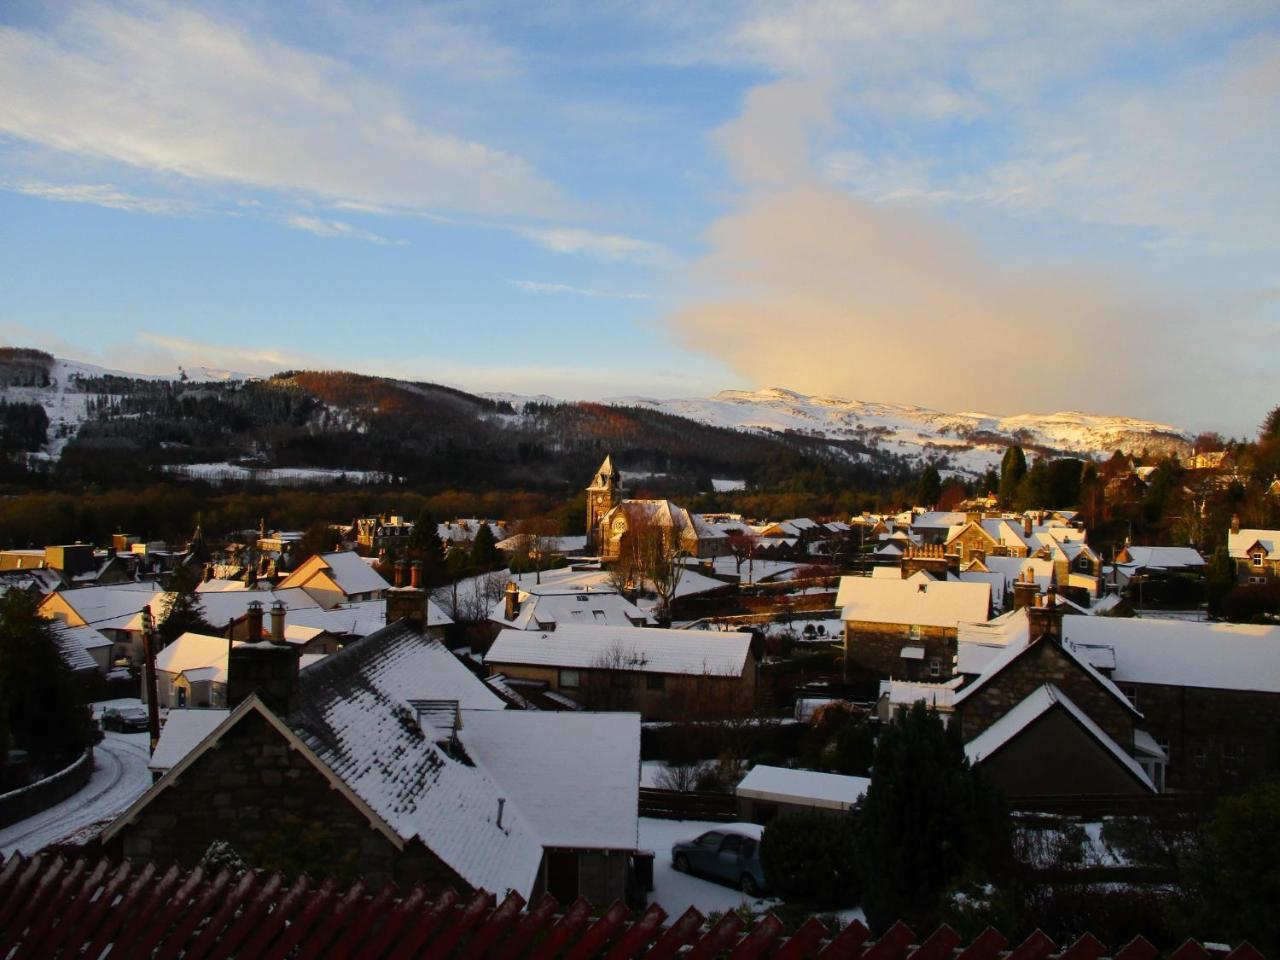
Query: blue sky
point(965, 205)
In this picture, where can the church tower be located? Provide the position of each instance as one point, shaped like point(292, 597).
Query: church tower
point(605, 493)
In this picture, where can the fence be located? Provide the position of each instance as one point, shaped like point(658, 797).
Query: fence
point(53, 907)
point(688, 805)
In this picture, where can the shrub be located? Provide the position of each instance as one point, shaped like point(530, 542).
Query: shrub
point(812, 858)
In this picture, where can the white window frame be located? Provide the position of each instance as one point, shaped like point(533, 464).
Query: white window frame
point(569, 678)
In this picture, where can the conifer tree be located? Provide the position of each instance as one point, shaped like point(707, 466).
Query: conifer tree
point(1013, 467)
point(929, 487)
point(484, 552)
point(424, 544)
point(181, 610)
point(926, 818)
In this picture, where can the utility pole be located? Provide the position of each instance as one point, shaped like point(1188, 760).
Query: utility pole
point(149, 667)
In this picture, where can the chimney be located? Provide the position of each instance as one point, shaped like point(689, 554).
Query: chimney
point(1046, 620)
point(512, 597)
point(415, 575)
point(1024, 590)
point(1026, 525)
point(253, 618)
point(267, 669)
point(398, 569)
point(1235, 523)
point(277, 622)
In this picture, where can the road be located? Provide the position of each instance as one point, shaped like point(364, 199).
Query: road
point(120, 776)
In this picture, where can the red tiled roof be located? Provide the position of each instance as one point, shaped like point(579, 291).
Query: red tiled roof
point(53, 906)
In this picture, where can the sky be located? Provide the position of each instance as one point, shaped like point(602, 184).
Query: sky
point(967, 205)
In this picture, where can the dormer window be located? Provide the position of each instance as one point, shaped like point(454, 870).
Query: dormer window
point(1258, 558)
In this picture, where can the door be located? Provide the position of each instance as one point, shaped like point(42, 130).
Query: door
point(562, 876)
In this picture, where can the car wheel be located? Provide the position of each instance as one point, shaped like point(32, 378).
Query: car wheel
point(681, 863)
point(748, 885)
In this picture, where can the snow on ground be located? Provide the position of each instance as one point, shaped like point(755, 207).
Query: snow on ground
point(120, 776)
point(676, 892)
point(223, 472)
point(727, 486)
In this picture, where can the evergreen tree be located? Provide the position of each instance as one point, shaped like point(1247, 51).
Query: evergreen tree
point(1034, 490)
point(1234, 880)
point(182, 612)
point(40, 705)
point(1013, 467)
point(1219, 580)
point(929, 487)
point(484, 552)
point(990, 483)
point(926, 818)
point(1270, 426)
point(425, 545)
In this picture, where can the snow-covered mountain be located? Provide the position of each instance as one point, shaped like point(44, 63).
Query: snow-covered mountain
point(970, 441)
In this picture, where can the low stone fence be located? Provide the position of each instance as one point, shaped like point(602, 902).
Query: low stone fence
point(34, 797)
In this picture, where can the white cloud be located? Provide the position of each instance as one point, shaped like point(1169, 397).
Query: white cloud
point(605, 246)
point(171, 90)
point(534, 286)
point(337, 228)
point(101, 195)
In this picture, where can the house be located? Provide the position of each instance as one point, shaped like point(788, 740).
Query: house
point(906, 629)
point(662, 674)
point(539, 607)
point(1157, 562)
point(1208, 693)
point(767, 792)
point(388, 761)
point(84, 650)
point(115, 611)
point(389, 534)
point(1256, 553)
point(191, 672)
point(334, 578)
point(1043, 721)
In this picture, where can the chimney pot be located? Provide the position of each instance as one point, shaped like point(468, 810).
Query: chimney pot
point(398, 569)
point(253, 619)
point(415, 575)
point(277, 622)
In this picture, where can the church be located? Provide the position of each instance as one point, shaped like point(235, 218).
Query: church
point(610, 515)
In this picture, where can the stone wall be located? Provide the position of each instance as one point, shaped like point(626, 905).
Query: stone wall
point(1217, 739)
point(39, 796)
point(876, 648)
point(276, 810)
point(1045, 662)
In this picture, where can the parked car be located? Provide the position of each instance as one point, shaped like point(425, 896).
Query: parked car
point(730, 853)
point(124, 719)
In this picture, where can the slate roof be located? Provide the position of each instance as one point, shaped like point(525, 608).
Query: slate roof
point(74, 643)
point(352, 573)
point(354, 715)
point(1163, 557)
point(558, 607)
point(192, 651)
point(1035, 705)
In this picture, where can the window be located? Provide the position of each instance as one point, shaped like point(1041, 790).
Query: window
point(1168, 751)
point(732, 844)
point(1257, 579)
point(915, 631)
point(935, 667)
point(711, 839)
point(599, 615)
point(570, 679)
point(1130, 694)
point(1257, 559)
point(655, 681)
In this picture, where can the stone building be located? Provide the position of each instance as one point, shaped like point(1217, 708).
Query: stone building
point(389, 760)
point(1256, 553)
point(605, 492)
point(662, 674)
point(906, 629)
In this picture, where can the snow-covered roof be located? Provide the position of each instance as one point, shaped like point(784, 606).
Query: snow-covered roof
point(1166, 558)
point(192, 651)
point(1221, 656)
point(886, 573)
point(1030, 709)
point(994, 580)
point(97, 605)
point(1014, 567)
point(182, 731)
point(978, 643)
point(1238, 544)
point(221, 606)
point(912, 602)
point(546, 610)
point(575, 777)
point(938, 520)
point(355, 715)
point(355, 619)
point(353, 573)
point(523, 541)
point(1020, 640)
point(648, 650)
point(221, 586)
point(74, 643)
point(940, 696)
point(830, 791)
